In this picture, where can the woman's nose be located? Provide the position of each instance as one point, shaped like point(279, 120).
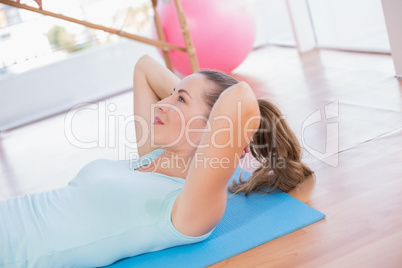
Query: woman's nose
point(161, 107)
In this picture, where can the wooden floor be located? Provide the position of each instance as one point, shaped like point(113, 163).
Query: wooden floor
point(355, 150)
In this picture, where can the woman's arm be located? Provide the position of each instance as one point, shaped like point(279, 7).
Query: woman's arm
point(152, 82)
point(202, 202)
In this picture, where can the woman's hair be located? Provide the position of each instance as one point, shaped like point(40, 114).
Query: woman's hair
point(220, 82)
point(274, 145)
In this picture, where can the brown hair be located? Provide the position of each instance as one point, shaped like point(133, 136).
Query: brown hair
point(274, 145)
point(220, 82)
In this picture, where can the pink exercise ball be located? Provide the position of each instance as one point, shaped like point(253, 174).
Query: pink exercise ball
point(222, 31)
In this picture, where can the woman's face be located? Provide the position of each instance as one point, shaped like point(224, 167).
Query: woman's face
point(181, 118)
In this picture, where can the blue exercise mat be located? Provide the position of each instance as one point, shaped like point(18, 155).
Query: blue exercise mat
point(248, 222)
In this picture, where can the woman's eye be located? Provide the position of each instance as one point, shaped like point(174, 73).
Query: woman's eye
point(181, 99)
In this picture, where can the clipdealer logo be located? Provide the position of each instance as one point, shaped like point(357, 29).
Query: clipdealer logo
point(329, 117)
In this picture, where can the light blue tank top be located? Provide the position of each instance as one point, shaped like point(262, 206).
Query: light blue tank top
point(107, 212)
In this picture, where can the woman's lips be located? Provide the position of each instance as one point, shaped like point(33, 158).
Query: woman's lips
point(157, 121)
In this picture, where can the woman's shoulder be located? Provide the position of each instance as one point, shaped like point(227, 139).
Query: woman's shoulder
point(133, 163)
point(145, 159)
point(99, 167)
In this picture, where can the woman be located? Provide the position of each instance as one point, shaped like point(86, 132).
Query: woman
point(174, 194)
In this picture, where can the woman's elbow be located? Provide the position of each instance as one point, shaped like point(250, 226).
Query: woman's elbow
point(142, 62)
point(245, 95)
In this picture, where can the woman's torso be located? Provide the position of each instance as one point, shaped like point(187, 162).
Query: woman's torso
point(109, 211)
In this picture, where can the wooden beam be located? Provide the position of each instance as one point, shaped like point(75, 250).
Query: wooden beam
point(142, 39)
point(192, 55)
point(161, 36)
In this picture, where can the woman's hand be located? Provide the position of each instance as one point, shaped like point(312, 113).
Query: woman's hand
point(246, 150)
point(241, 93)
point(39, 2)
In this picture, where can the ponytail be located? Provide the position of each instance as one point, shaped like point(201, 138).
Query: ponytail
point(276, 147)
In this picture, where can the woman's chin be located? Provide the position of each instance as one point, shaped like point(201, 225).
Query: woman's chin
point(160, 144)
point(160, 140)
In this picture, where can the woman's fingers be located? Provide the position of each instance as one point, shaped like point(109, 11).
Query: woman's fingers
point(245, 151)
point(243, 154)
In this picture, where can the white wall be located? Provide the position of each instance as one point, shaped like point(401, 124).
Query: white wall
point(83, 76)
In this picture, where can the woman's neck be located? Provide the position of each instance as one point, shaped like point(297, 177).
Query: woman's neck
point(173, 163)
